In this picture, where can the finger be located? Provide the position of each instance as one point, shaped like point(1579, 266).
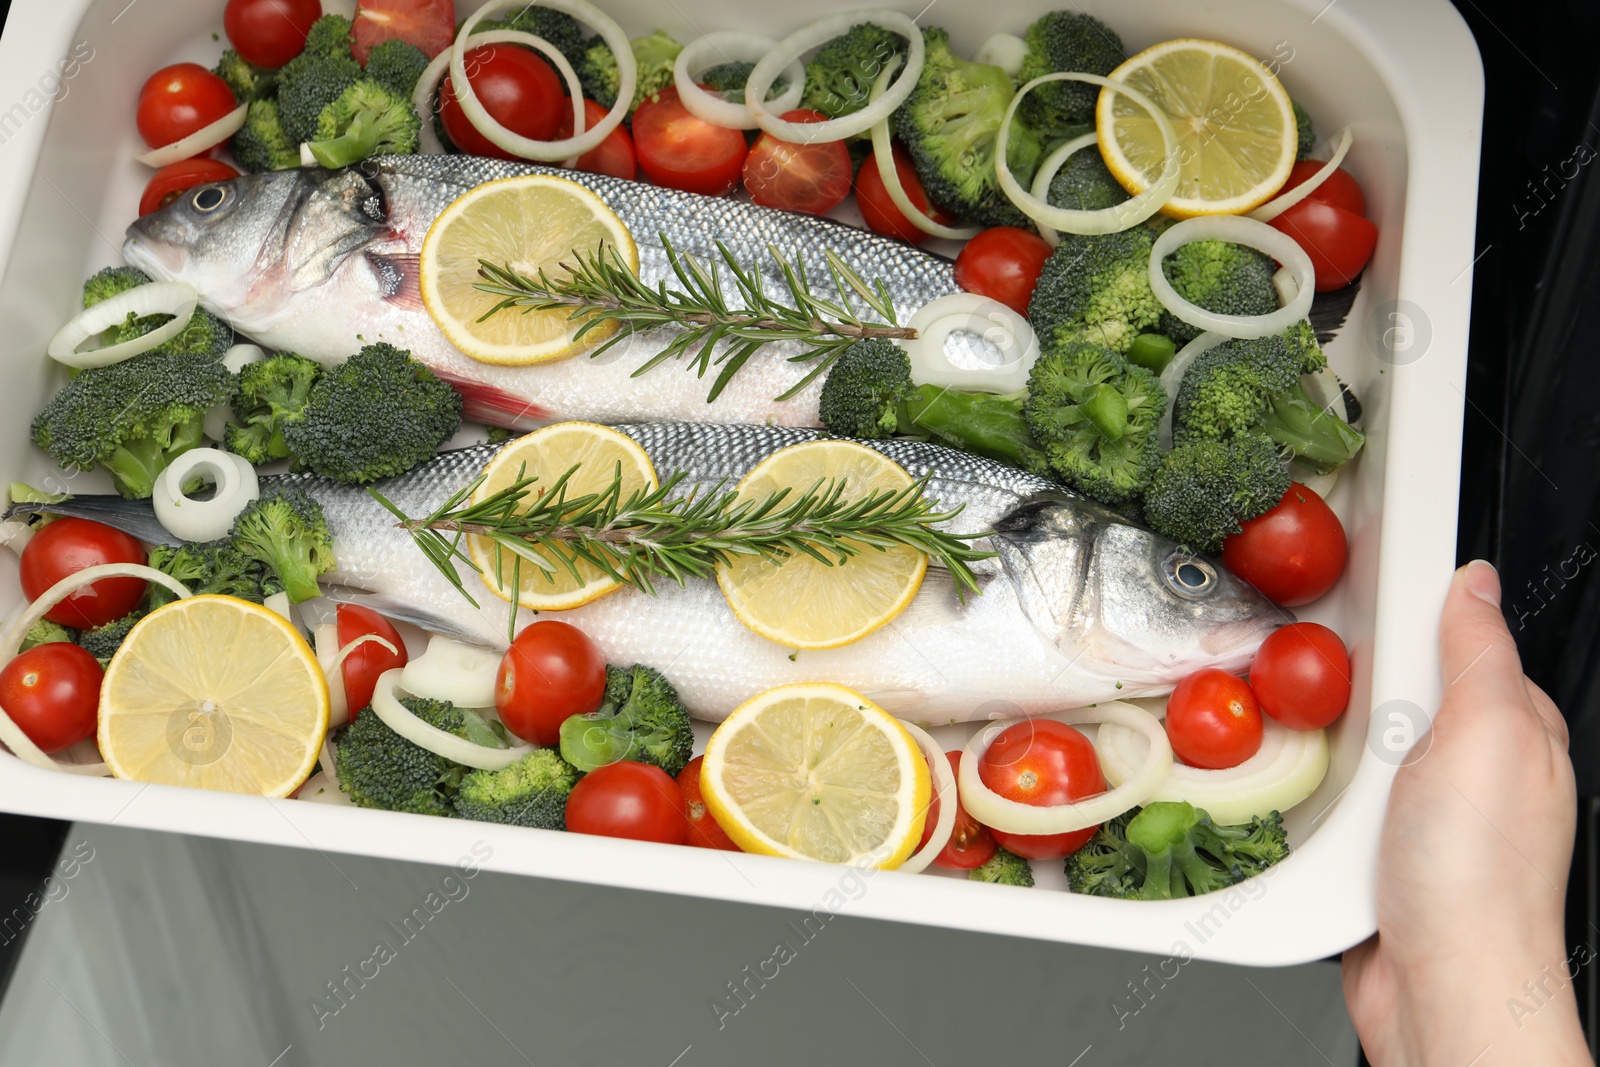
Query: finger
point(1476, 653)
point(1547, 711)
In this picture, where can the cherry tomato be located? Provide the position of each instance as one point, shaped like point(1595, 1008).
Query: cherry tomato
point(1045, 763)
point(1340, 189)
point(516, 87)
point(176, 178)
point(613, 156)
point(180, 99)
point(1293, 553)
point(809, 178)
point(269, 33)
point(551, 672)
point(704, 830)
point(67, 546)
point(1301, 676)
point(1339, 242)
point(430, 25)
point(361, 667)
point(1003, 263)
point(52, 692)
point(1213, 720)
point(971, 844)
point(680, 151)
point(880, 212)
point(629, 799)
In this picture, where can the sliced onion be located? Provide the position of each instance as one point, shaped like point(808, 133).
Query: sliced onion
point(240, 356)
point(820, 32)
point(557, 60)
point(516, 144)
point(944, 787)
point(386, 705)
point(15, 535)
point(448, 670)
point(279, 604)
point(970, 313)
point(198, 141)
point(992, 809)
point(883, 159)
point(1286, 769)
point(1048, 169)
point(1286, 287)
point(730, 46)
point(10, 733)
point(422, 103)
point(1113, 219)
point(323, 788)
point(1252, 234)
point(1278, 205)
point(1323, 389)
point(1003, 50)
point(177, 299)
point(331, 658)
point(1172, 377)
point(204, 520)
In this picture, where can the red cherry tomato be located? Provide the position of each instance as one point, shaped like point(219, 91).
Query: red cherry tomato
point(629, 799)
point(613, 156)
point(361, 667)
point(67, 546)
point(1301, 676)
point(176, 178)
point(880, 212)
point(1339, 242)
point(52, 692)
point(1003, 263)
point(1340, 189)
point(809, 178)
point(269, 33)
point(1045, 763)
point(430, 25)
point(180, 99)
point(704, 830)
point(1213, 720)
point(680, 151)
point(516, 87)
point(551, 672)
point(970, 845)
point(1293, 553)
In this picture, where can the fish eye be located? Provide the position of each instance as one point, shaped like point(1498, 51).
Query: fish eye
point(1190, 576)
point(208, 198)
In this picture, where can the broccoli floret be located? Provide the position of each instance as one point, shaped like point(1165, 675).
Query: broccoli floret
point(271, 392)
point(1084, 184)
point(1171, 849)
point(1097, 418)
point(1220, 276)
point(950, 125)
point(247, 81)
point(286, 530)
point(378, 414)
point(1096, 288)
point(329, 38)
point(1306, 134)
point(133, 417)
point(640, 718)
point(1066, 41)
point(261, 143)
point(1004, 868)
point(654, 55)
point(112, 281)
point(839, 77)
point(531, 792)
point(45, 632)
point(1204, 490)
point(102, 642)
point(559, 28)
point(215, 567)
point(381, 769)
point(367, 119)
point(397, 65)
point(307, 84)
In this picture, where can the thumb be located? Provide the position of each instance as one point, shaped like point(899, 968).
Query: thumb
point(1476, 651)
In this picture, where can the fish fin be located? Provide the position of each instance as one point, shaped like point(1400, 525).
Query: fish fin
point(398, 278)
point(485, 403)
point(134, 517)
point(1330, 310)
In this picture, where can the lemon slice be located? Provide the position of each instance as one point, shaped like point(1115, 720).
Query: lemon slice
point(216, 693)
point(802, 602)
point(818, 772)
point(532, 222)
point(548, 454)
point(1235, 126)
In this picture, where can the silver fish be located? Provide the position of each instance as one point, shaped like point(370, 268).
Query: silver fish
point(320, 262)
point(1078, 606)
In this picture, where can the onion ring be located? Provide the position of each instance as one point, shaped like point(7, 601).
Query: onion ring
point(178, 299)
point(883, 159)
point(1003, 50)
point(325, 638)
point(448, 670)
point(204, 520)
point(820, 32)
point(399, 718)
point(1048, 169)
point(1284, 201)
point(733, 46)
point(1172, 377)
point(1252, 234)
point(971, 313)
point(1012, 817)
point(944, 787)
point(205, 137)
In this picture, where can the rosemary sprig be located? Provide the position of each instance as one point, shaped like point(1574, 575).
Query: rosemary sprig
point(655, 534)
point(599, 288)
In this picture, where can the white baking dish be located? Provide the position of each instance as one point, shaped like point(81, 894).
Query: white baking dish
point(1404, 75)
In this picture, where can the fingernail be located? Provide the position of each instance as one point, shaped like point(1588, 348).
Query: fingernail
point(1484, 581)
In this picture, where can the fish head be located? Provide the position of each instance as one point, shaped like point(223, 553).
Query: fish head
point(1126, 602)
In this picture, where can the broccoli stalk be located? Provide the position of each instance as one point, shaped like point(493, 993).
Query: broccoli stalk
point(381, 769)
point(531, 792)
point(367, 119)
point(1066, 41)
point(285, 529)
point(640, 718)
point(1004, 868)
point(839, 77)
point(1316, 436)
point(1097, 418)
point(1171, 849)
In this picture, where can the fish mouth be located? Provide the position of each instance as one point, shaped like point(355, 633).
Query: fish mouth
point(159, 259)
